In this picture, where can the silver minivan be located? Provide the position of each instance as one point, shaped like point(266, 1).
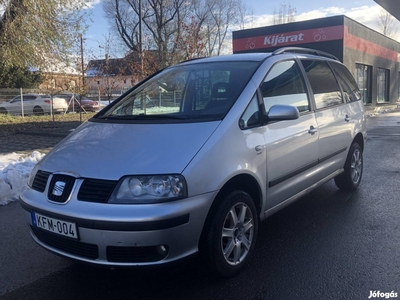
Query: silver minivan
point(194, 157)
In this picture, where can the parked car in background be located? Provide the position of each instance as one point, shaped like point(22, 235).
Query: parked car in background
point(78, 103)
point(247, 135)
point(34, 104)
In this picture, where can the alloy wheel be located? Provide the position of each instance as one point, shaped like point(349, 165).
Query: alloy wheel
point(356, 166)
point(237, 233)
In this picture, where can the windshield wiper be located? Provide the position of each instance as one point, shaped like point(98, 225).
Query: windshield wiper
point(144, 117)
point(118, 117)
point(161, 116)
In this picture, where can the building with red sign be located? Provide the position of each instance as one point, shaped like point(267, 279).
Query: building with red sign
point(373, 58)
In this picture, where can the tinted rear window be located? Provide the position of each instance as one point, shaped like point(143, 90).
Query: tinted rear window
point(347, 82)
point(323, 83)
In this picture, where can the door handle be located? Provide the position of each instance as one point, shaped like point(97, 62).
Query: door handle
point(347, 118)
point(312, 130)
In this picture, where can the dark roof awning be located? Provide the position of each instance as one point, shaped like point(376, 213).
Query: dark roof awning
point(392, 6)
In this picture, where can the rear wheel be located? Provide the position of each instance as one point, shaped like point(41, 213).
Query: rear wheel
point(350, 179)
point(230, 234)
point(38, 111)
point(3, 111)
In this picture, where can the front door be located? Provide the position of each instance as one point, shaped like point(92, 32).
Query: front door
point(292, 146)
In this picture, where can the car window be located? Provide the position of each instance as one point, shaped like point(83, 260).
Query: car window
point(347, 82)
point(251, 116)
point(186, 91)
point(284, 84)
point(16, 99)
point(29, 97)
point(323, 83)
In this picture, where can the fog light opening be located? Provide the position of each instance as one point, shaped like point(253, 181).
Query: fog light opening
point(162, 250)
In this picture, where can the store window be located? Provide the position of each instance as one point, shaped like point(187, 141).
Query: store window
point(363, 78)
point(398, 85)
point(382, 85)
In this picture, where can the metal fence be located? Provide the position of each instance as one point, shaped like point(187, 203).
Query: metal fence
point(28, 102)
point(93, 94)
point(20, 103)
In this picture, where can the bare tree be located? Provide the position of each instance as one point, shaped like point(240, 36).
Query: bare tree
point(386, 23)
point(175, 29)
point(110, 68)
point(285, 14)
point(189, 41)
point(161, 20)
point(242, 12)
point(222, 15)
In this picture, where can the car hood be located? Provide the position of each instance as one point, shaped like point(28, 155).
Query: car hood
point(109, 151)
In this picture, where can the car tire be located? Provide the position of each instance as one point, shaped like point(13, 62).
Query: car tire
point(230, 233)
point(3, 111)
point(350, 179)
point(38, 111)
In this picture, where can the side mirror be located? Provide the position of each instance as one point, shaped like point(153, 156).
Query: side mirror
point(280, 112)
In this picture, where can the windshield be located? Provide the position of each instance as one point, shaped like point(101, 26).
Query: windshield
point(184, 92)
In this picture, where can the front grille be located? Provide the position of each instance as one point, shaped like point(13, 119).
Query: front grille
point(40, 181)
point(60, 187)
point(134, 254)
point(96, 190)
point(84, 250)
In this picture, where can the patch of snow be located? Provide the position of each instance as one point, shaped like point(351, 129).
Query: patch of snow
point(14, 174)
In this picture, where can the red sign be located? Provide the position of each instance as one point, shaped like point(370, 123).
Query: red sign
point(356, 43)
point(289, 38)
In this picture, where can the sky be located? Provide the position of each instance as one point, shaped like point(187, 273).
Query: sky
point(363, 11)
point(260, 14)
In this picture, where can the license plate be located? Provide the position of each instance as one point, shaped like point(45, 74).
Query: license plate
point(54, 225)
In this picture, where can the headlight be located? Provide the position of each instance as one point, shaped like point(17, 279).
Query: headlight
point(149, 189)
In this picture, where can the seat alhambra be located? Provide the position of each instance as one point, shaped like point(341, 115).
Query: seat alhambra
point(194, 157)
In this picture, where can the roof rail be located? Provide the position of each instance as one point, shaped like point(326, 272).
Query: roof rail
point(304, 50)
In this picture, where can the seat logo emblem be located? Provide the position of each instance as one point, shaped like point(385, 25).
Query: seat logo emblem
point(58, 188)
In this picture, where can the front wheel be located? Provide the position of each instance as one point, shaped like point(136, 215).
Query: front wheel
point(230, 235)
point(350, 179)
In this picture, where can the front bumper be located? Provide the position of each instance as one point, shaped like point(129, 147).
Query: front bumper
point(121, 235)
